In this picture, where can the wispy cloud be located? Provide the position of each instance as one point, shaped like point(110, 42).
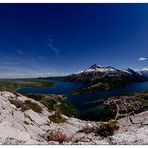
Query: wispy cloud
point(20, 52)
point(8, 63)
point(52, 46)
point(142, 59)
point(29, 75)
point(7, 60)
point(146, 69)
point(24, 67)
point(9, 71)
point(41, 58)
point(25, 75)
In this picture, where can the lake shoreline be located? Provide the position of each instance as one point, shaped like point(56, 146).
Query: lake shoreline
point(89, 103)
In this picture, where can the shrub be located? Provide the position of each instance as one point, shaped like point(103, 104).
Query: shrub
point(88, 130)
point(34, 106)
point(36, 97)
point(67, 109)
point(144, 103)
point(17, 94)
point(15, 102)
point(107, 129)
point(143, 95)
point(49, 103)
point(57, 118)
point(19, 104)
point(64, 106)
point(58, 136)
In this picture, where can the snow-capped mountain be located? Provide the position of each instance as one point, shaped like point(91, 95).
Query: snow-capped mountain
point(144, 73)
point(100, 69)
point(133, 74)
point(99, 73)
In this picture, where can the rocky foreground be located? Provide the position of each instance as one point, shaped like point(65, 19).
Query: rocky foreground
point(20, 124)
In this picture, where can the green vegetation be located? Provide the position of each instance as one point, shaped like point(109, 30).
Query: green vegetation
point(17, 103)
point(26, 105)
point(57, 118)
point(34, 106)
point(106, 109)
point(52, 102)
point(143, 99)
point(14, 84)
point(101, 86)
point(134, 102)
point(100, 113)
point(91, 88)
point(36, 97)
point(143, 95)
point(144, 103)
point(79, 91)
point(107, 129)
point(67, 109)
point(47, 99)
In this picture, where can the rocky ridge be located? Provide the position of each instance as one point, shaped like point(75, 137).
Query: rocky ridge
point(27, 126)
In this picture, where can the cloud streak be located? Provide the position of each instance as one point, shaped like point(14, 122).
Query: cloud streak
point(51, 45)
point(142, 59)
point(25, 75)
point(20, 52)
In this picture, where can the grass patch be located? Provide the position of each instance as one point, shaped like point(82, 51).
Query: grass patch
point(50, 104)
point(144, 103)
point(34, 106)
point(143, 95)
point(107, 129)
point(36, 97)
point(67, 109)
point(52, 101)
point(57, 118)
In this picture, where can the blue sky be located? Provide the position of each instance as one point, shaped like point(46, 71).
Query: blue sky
point(58, 39)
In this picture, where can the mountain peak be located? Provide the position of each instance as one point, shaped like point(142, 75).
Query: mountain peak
point(95, 66)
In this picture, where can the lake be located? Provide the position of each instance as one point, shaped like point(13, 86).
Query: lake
point(87, 103)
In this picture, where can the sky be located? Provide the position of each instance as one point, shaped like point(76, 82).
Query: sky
point(60, 39)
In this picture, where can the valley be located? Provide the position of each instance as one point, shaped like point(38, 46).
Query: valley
point(87, 108)
point(85, 91)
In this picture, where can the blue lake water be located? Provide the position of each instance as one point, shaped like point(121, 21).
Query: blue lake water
point(60, 87)
point(85, 102)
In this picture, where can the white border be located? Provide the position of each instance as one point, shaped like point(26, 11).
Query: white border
point(72, 1)
point(74, 146)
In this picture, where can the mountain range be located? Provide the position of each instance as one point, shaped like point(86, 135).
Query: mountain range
point(99, 73)
point(144, 73)
point(102, 78)
point(98, 77)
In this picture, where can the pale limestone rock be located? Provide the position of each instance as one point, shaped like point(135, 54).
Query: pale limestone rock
point(29, 127)
point(37, 117)
point(13, 129)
